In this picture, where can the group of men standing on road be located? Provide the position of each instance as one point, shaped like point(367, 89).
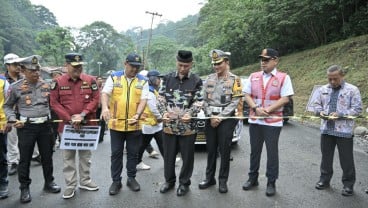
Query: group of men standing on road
point(129, 101)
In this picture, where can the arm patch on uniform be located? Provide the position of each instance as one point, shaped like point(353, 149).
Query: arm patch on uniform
point(94, 86)
point(53, 85)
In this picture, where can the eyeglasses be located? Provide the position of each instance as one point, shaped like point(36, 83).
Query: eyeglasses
point(217, 64)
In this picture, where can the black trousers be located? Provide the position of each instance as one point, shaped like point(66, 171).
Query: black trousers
point(345, 149)
point(269, 135)
point(172, 143)
point(27, 137)
point(219, 138)
point(132, 140)
point(3, 160)
point(54, 125)
point(102, 124)
point(146, 142)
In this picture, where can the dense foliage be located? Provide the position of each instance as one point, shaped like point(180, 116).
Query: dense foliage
point(20, 21)
point(242, 27)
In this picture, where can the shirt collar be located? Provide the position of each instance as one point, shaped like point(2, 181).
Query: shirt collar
point(273, 72)
point(186, 76)
point(70, 78)
point(341, 86)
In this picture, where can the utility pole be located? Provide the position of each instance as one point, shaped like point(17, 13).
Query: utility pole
point(150, 34)
point(99, 68)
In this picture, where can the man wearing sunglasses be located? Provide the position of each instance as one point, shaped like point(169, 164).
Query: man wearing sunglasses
point(74, 98)
point(266, 93)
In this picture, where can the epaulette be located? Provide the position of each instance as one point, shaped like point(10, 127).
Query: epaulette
point(17, 82)
point(53, 84)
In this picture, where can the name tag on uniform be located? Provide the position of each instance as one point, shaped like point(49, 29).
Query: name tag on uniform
point(64, 87)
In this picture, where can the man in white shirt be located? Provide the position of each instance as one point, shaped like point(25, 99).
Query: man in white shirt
point(266, 93)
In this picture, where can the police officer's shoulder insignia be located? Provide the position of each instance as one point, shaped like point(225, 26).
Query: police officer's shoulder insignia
point(238, 81)
point(53, 85)
point(94, 86)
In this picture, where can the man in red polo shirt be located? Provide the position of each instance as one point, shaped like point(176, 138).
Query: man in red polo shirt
point(74, 98)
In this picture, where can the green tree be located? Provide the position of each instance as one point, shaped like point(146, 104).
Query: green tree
point(20, 21)
point(162, 53)
point(100, 42)
point(54, 44)
point(47, 18)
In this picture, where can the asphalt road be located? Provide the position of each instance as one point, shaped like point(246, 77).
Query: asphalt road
point(299, 171)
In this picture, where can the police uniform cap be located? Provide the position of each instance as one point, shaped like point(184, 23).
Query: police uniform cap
point(74, 59)
point(30, 62)
point(154, 73)
point(10, 58)
point(269, 53)
point(219, 56)
point(134, 59)
point(184, 56)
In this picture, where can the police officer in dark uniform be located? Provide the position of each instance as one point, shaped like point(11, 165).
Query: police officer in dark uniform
point(31, 96)
point(222, 95)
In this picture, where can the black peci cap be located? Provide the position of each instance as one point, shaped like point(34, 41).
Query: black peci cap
point(184, 56)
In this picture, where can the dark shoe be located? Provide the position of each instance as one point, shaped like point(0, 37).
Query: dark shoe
point(222, 187)
point(322, 185)
point(166, 187)
point(37, 159)
point(133, 184)
point(250, 184)
point(25, 195)
point(52, 188)
point(206, 183)
point(347, 191)
point(366, 191)
point(182, 190)
point(271, 189)
point(4, 192)
point(115, 187)
point(13, 169)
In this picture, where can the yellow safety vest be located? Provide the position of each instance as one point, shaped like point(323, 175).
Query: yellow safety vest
point(2, 100)
point(125, 98)
point(149, 118)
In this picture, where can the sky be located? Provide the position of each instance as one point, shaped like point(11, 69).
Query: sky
point(122, 15)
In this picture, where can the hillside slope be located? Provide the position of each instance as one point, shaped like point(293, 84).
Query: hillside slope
point(308, 68)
